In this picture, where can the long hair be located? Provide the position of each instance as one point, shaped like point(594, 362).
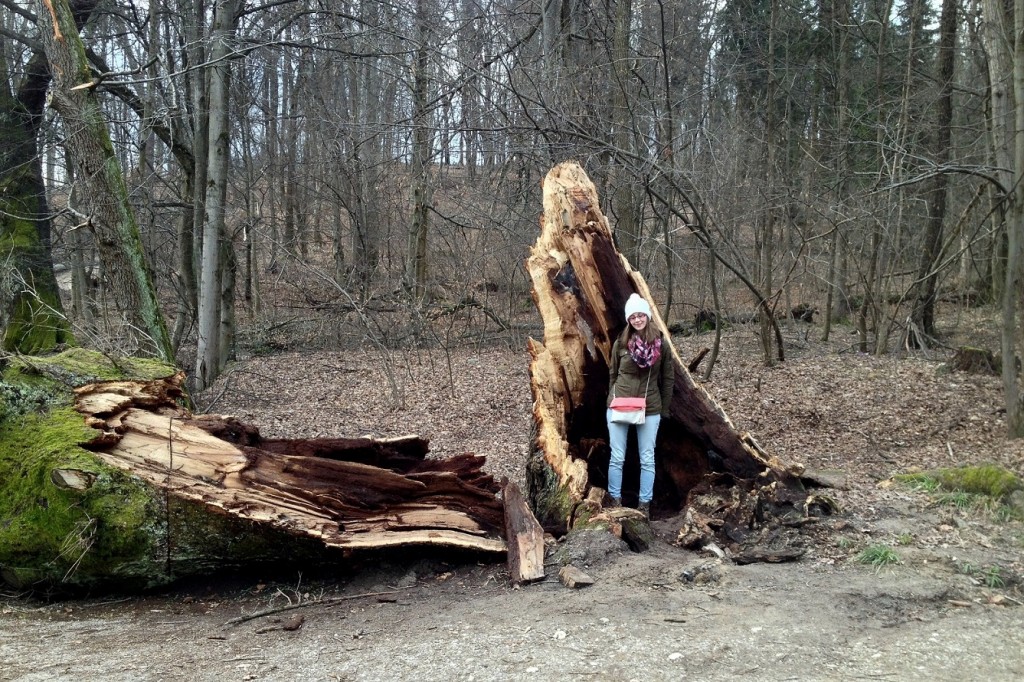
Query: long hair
point(649, 333)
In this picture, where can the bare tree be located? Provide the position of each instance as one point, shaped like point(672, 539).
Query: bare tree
point(215, 328)
point(111, 217)
point(31, 314)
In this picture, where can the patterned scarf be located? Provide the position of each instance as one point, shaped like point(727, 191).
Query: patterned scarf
point(644, 354)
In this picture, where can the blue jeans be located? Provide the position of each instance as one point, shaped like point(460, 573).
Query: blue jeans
point(646, 435)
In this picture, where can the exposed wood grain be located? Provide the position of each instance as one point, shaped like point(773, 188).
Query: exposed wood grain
point(391, 495)
point(525, 537)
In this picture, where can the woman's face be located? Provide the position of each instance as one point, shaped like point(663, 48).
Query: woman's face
point(638, 321)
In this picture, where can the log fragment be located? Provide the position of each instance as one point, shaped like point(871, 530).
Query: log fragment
point(580, 286)
point(525, 537)
point(768, 555)
point(574, 578)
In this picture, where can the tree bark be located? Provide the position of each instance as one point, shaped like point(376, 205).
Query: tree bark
point(580, 285)
point(1011, 334)
point(416, 268)
point(210, 354)
point(102, 183)
point(923, 295)
point(31, 314)
point(1006, 74)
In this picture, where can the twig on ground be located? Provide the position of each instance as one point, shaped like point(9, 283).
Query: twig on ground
point(314, 602)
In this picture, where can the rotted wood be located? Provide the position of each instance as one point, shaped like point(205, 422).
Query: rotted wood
point(348, 493)
point(580, 286)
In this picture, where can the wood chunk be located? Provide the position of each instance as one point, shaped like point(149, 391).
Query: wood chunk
point(976, 361)
point(525, 538)
point(574, 578)
point(72, 479)
point(294, 623)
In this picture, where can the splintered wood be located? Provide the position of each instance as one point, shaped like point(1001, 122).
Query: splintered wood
point(525, 538)
point(347, 493)
point(580, 285)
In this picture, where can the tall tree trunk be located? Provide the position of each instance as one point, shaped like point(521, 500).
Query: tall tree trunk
point(102, 182)
point(838, 301)
point(627, 223)
point(416, 275)
point(199, 93)
point(30, 308)
point(1011, 337)
point(923, 296)
point(209, 354)
point(1005, 52)
point(872, 289)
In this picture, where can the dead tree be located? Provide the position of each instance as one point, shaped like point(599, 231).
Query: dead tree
point(580, 286)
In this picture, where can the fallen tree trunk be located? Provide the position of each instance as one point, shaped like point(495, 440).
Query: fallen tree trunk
point(580, 286)
point(128, 489)
point(346, 493)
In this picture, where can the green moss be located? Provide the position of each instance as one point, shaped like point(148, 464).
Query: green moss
point(78, 366)
point(51, 534)
point(35, 326)
point(58, 536)
point(549, 499)
point(987, 480)
point(983, 487)
point(37, 383)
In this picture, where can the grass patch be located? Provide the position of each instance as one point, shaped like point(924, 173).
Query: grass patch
point(984, 487)
point(991, 576)
point(921, 482)
point(878, 556)
point(960, 500)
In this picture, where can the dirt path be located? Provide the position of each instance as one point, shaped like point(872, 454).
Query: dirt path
point(806, 621)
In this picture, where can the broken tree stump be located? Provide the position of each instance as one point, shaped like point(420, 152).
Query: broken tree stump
point(580, 286)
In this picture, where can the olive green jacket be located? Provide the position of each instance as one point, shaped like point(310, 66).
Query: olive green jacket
point(626, 380)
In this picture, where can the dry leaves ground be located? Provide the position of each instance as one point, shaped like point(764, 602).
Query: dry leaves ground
point(667, 614)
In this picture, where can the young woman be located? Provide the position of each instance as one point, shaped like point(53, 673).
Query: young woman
point(641, 366)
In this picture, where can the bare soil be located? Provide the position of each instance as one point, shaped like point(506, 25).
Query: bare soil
point(950, 609)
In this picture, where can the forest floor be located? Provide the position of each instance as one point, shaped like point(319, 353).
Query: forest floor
point(950, 609)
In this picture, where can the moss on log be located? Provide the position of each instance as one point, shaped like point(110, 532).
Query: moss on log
point(52, 533)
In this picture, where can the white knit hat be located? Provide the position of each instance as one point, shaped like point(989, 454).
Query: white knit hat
point(636, 304)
